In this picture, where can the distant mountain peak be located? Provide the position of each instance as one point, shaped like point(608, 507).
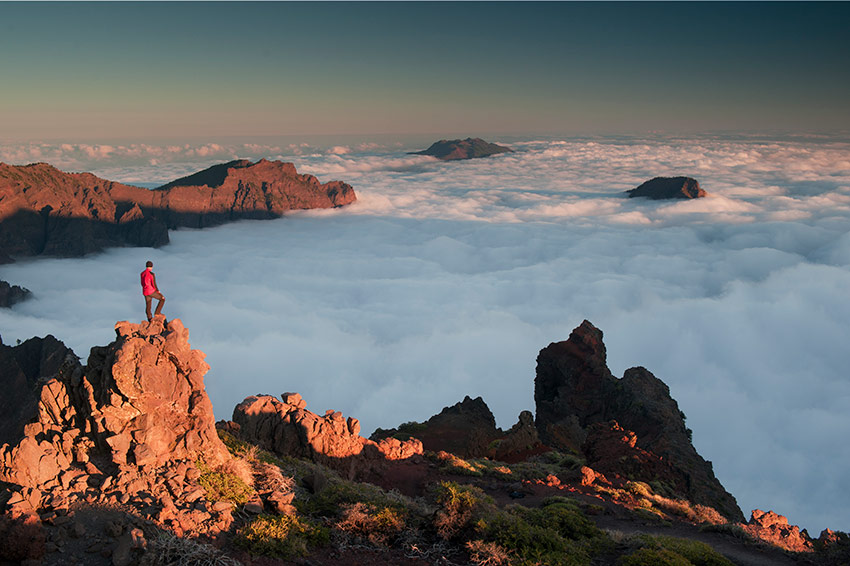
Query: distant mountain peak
point(469, 148)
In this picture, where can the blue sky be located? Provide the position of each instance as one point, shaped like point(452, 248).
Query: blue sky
point(84, 71)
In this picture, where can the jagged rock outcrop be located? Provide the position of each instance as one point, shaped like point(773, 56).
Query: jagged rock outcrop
point(468, 429)
point(23, 369)
point(465, 429)
point(774, 529)
point(287, 428)
point(12, 294)
point(668, 188)
point(470, 148)
point(574, 390)
point(128, 428)
point(46, 211)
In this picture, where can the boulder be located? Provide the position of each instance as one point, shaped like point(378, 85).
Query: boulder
point(574, 389)
point(287, 428)
point(668, 188)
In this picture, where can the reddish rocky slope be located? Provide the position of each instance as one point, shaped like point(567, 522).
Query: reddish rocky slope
point(46, 211)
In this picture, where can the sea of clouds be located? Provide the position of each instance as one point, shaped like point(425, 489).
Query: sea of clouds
point(446, 279)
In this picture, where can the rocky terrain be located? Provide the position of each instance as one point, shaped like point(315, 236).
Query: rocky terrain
point(45, 211)
point(119, 462)
point(11, 294)
point(470, 148)
point(668, 188)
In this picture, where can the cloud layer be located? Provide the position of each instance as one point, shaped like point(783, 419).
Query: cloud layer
point(446, 279)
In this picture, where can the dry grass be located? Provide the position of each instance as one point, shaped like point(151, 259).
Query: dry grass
point(169, 550)
point(487, 553)
point(378, 526)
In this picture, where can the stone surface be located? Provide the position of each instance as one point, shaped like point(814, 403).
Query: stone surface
point(774, 528)
point(291, 430)
point(574, 389)
point(668, 188)
point(133, 421)
point(46, 211)
point(470, 148)
point(12, 294)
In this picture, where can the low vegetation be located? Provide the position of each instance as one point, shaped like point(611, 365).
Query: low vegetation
point(224, 485)
point(456, 518)
point(280, 537)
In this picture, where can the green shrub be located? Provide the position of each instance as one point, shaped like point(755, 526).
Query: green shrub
point(695, 552)
point(280, 537)
point(699, 553)
point(330, 501)
point(456, 505)
point(654, 557)
point(566, 519)
point(533, 544)
point(223, 486)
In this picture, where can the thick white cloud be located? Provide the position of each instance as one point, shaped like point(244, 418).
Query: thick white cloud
point(446, 279)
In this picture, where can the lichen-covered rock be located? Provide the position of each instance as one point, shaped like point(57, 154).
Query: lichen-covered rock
point(286, 427)
point(574, 389)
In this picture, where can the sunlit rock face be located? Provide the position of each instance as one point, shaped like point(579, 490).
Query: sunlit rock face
point(576, 397)
point(45, 211)
point(128, 428)
point(668, 188)
point(285, 426)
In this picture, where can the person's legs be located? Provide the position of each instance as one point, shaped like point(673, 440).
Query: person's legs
point(158, 296)
point(148, 306)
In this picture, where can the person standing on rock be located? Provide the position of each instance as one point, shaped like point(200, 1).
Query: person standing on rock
point(151, 291)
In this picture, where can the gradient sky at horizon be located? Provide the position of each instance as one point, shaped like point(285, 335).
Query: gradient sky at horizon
point(123, 71)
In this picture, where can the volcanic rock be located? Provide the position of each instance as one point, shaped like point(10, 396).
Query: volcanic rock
point(133, 422)
point(668, 188)
point(774, 528)
point(287, 428)
point(468, 429)
point(23, 370)
point(11, 294)
point(470, 148)
point(574, 389)
point(46, 211)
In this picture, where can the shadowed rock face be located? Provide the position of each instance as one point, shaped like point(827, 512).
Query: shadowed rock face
point(12, 294)
point(668, 188)
point(23, 370)
point(46, 211)
point(470, 148)
point(575, 393)
point(468, 429)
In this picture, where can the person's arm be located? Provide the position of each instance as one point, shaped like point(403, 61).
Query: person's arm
point(155, 288)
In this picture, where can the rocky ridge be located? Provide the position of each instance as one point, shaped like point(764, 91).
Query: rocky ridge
point(133, 429)
point(581, 406)
point(470, 148)
point(45, 211)
point(468, 429)
point(100, 460)
point(659, 188)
